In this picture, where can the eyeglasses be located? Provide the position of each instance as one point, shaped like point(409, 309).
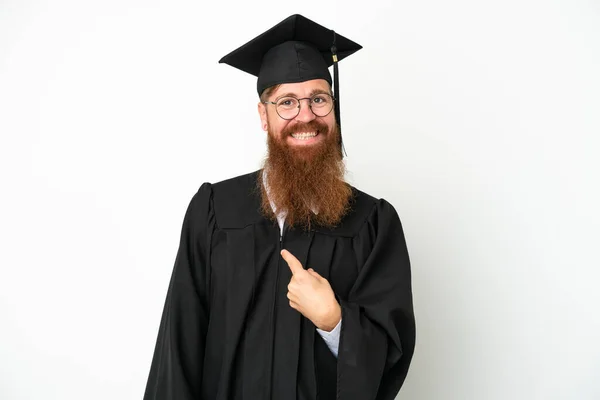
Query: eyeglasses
point(288, 107)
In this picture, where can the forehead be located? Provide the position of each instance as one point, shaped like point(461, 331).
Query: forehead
point(302, 89)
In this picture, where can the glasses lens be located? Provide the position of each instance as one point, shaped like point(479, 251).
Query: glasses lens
point(287, 107)
point(321, 104)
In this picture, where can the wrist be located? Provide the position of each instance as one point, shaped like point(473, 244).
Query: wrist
point(332, 319)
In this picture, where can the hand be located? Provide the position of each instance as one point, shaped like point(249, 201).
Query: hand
point(311, 295)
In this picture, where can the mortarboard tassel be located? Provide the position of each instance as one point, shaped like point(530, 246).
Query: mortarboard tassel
point(336, 93)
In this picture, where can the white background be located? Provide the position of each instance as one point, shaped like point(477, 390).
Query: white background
point(478, 121)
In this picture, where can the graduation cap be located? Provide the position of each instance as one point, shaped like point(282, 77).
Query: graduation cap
point(295, 50)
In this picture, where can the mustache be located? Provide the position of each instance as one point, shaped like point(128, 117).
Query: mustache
point(313, 125)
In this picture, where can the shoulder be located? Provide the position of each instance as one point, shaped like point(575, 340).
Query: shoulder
point(233, 200)
point(364, 209)
point(373, 204)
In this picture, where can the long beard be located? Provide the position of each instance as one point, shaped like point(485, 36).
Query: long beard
point(307, 182)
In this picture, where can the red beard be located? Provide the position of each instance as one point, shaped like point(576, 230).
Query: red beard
point(301, 179)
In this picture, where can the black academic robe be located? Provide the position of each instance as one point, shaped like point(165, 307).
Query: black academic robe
point(228, 332)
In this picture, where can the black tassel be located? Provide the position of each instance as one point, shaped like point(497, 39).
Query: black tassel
point(336, 93)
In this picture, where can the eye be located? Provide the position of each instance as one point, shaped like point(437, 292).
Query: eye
point(287, 102)
point(320, 99)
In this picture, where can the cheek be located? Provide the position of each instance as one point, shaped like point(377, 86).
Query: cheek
point(277, 126)
point(330, 121)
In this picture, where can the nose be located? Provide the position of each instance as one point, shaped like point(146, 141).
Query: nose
point(305, 114)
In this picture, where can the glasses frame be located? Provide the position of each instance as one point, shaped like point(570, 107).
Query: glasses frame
point(300, 105)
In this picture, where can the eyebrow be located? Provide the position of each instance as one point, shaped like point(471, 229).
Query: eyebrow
point(312, 93)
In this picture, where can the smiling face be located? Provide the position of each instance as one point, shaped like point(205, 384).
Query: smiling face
point(306, 130)
point(304, 166)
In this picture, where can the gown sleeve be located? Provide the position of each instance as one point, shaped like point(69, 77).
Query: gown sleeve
point(378, 334)
point(176, 368)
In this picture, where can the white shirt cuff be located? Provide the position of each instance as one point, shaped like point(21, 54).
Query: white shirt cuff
point(332, 339)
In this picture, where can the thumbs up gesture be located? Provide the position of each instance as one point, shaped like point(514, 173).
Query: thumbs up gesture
point(311, 295)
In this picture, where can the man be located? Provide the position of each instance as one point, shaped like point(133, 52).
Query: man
point(288, 283)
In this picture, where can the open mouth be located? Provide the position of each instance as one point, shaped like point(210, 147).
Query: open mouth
point(304, 135)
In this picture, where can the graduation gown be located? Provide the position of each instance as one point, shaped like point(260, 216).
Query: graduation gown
point(227, 330)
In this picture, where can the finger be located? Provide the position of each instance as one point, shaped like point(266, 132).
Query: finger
point(292, 286)
point(292, 297)
point(294, 305)
point(294, 264)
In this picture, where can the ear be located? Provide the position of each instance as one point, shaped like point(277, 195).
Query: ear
point(262, 113)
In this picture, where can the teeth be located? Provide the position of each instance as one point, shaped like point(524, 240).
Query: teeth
point(304, 135)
